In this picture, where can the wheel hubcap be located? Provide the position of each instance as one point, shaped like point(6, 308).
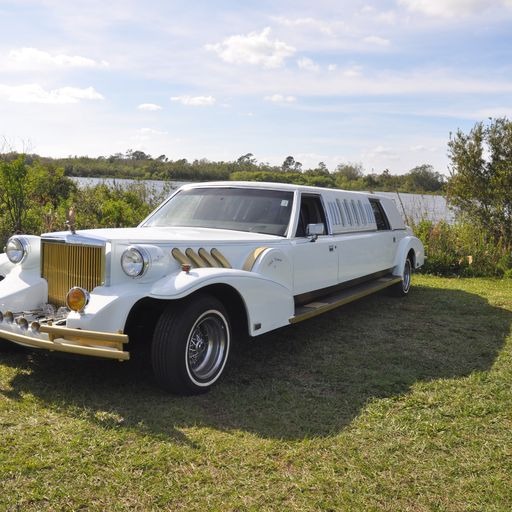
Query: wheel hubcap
point(207, 346)
point(406, 282)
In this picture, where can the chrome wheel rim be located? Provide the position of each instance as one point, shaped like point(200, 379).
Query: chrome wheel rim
point(406, 281)
point(207, 347)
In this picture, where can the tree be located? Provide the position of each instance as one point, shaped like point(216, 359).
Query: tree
point(248, 158)
point(423, 178)
point(245, 162)
point(480, 183)
point(350, 172)
point(388, 181)
point(14, 191)
point(49, 185)
point(322, 168)
point(288, 164)
point(140, 155)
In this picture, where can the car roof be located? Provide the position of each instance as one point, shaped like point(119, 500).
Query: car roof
point(290, 187)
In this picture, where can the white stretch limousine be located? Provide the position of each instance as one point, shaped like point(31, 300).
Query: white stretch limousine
point(216, 261)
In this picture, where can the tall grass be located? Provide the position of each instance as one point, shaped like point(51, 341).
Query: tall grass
point(462, 249)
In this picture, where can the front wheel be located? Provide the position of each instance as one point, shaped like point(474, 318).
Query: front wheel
point(191, 345)
point(402, 288)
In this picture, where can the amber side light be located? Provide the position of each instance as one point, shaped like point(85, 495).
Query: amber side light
point(77, 298)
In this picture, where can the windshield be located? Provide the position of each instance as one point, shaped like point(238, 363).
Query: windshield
point(240, 209)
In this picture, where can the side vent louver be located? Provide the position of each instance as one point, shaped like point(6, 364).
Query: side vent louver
point(200, 259)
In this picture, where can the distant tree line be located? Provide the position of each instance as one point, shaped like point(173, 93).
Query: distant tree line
point(139, 165)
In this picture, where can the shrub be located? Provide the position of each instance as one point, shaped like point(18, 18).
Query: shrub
point(462, 249)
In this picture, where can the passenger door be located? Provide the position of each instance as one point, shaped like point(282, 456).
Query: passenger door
point(387, 240)
point(365, 253)
point(315, 261)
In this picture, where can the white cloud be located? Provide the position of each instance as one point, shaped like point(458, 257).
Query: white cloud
point(145, 134)
point(387, 17)
point(353, 72)
point(495, 112)
point(280, 98)
point(151, 131)
point(32, 58)
point(307, 64)
point(376, 40)
point(421, 148)
point(382, 152)
point(304, 22)
point(476, 114)
point(34, 93)
point(255, 48)
point(151, 107)
point(195, 101)
point(452, 8)
point(332, 67)
point(371, 82)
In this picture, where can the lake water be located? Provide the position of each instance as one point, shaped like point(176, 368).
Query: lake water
point(421, 206)
point(412, 206)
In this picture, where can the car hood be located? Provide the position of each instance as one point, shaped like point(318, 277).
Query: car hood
point(157, 235)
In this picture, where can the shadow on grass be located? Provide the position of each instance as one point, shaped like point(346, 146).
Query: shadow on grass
point(306, 380)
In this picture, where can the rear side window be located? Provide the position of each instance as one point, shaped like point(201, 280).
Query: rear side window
point(380, 216)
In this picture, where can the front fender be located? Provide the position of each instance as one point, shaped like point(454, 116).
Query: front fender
point(108, 308)
point(22, 290)
point(5, 265)
point(268, 304)
point(406, 245)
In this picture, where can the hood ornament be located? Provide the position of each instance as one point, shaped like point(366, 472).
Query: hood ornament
point(70, 220)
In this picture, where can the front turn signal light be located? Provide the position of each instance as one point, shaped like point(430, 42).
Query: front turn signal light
point(77, 298)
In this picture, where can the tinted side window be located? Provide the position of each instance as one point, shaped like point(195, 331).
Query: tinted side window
point(380, 216)
point(311, 212)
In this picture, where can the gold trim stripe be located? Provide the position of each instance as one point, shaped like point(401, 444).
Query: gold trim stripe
point(194, 257)
point(67, 345)
point(318, 308)
point(65, 332)
point(252, 258)
point(180, 257)
point(207, 257)
point(220, 258)
point(201, 259)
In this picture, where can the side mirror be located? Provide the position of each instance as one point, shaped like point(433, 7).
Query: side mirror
point(313, 230)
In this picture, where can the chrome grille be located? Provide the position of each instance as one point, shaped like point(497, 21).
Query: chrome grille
point(67, 265)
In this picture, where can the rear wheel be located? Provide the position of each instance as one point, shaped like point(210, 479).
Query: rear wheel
point(191, 345)
point(402, 288)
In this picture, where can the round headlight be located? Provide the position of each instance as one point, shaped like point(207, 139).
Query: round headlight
point(134, 261)
point(16, 249)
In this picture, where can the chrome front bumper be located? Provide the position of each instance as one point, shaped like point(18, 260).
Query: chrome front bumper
point(33, 329)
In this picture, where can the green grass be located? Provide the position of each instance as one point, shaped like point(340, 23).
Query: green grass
point(386, 404)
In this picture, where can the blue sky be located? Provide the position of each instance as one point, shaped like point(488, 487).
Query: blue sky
point(377, 83)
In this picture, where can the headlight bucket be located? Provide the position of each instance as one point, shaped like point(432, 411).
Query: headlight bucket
point(135, 261)
point(17, 249)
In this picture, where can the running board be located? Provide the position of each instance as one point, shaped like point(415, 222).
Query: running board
point(341, 298)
